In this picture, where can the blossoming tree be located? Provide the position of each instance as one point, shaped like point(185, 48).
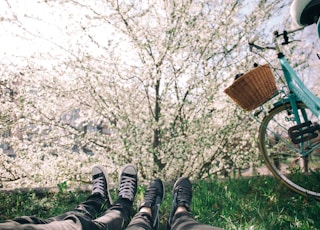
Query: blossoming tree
point(128, 81)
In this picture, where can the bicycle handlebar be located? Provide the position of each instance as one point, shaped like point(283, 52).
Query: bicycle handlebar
point(276, 35)
point(286, 32)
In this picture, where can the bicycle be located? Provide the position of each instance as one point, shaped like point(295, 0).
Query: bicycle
point(289, 133)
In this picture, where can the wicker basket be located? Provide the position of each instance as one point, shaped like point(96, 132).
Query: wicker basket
point(253, 88)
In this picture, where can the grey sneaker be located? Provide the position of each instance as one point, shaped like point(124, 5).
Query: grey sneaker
point(100, 183)
point(128, 182)
point(152, 199)
point(182, 195)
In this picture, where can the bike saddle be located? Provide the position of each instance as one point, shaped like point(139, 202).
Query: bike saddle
point(305, 12)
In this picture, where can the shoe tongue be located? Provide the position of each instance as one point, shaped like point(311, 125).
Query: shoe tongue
point(184, 197)
point(185, 193)
point(150, 195)
point(95, 176)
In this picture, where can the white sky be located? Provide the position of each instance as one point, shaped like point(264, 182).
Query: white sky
point(18, 13)
point(34, 28)
point(31, 27)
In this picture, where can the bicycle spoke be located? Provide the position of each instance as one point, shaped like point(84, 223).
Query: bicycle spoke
point(297, 165)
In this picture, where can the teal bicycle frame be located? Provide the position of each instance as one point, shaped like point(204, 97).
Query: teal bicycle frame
point(298, 92)
point(289, 132)
point(296, 85)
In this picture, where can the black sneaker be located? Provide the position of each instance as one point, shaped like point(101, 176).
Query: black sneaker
point(128, 183)
point(152, 199)
point(100, 183)
point(182, 195)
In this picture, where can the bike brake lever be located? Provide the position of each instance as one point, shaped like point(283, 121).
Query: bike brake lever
point(288, 42)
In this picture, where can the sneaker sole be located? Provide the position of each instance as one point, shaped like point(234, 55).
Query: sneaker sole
point(163, 189)
point(158, 203)
point(122, 170)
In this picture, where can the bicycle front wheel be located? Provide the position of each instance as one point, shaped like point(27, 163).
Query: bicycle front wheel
point(295, 163)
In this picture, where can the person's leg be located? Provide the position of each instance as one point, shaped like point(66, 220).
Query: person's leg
point(148, 216)
point(88, 209)
point(180, 217)
point(119, 215)
point(63, 225)
point(184, 220)
point(97, 202)
point(116, 218)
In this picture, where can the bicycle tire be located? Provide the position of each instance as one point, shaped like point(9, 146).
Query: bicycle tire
point(282, 156)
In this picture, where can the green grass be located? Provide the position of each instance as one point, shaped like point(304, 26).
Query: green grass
point(246, 203)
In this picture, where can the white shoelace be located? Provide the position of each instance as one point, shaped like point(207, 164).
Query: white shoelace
point(127, 187)
point(98, 186)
